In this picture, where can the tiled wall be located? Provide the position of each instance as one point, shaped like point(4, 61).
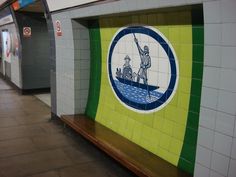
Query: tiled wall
point(65, 68)
point(217, 131)
point(216, 139)
point(170, 131)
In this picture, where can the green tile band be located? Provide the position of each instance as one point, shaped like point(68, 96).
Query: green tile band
point(188, 153)
point(95, 69)
point(128, 123)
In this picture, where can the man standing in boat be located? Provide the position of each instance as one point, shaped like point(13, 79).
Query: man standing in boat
point(145, 61)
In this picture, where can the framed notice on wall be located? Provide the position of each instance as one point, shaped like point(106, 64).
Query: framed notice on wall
point(27, 31)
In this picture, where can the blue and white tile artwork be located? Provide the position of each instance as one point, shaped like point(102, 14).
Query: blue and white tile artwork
point(142, 68)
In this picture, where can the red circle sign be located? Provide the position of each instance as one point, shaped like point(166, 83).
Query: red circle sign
point(27, 31)
point(58, 28)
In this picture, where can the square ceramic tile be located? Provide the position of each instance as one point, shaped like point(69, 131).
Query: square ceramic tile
point(215, 174)
point(213, 34)
point(211, 77)
point(227, 102)
point(225, 123)
point(84, 54)
point(222, 144)
point(235, 128)
point(212, 13)
point(209, 97)
point(226, 83)
point(84, 33)
point(233, 153)
point(205, 137)
point(194, 1)
point(165, 3)
point(212, 55)
point(228, 11)
point(228, 34)
point(207, 118)
point(201, 171)
point(232, 168)
point(203, 156)
point(229, 55)
point(220, 163)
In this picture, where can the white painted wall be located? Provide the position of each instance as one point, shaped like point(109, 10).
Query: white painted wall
point(62, 4)
point(2, 1)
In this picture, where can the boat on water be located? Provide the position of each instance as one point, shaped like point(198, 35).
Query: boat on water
point(127, 76)
point(136, 84)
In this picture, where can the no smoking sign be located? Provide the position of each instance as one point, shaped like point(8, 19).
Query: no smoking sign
point(27, 31)
point(58, 28)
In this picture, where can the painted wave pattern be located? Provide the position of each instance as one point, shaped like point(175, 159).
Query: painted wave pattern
point(137, 95)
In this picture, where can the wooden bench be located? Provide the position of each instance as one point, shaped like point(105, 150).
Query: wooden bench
point(138, 160)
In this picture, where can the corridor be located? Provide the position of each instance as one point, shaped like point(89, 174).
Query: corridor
point(32, 145)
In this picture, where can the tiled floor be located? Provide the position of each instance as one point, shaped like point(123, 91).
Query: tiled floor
point(32, 145)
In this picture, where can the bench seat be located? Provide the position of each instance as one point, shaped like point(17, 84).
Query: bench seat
point(135, 158)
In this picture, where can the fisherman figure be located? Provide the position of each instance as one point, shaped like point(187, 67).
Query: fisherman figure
point(127, 70)
point(145, 62)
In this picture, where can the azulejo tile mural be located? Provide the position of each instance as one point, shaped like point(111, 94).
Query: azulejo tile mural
point(142, 68)
point(146, 79)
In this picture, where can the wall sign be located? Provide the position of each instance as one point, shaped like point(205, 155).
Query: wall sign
point(27, 31)
point(142, 68)
point(58, 28)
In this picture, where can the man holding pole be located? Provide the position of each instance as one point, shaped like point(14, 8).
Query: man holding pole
point(145, 61)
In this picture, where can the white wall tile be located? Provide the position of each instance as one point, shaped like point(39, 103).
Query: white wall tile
point(227, 102)
point(228, 57)
point(207, 118)
point(201, 171)
point(194, 1)
point(209, 97)
point(215, 174)
point(235, 128)
point(164, 3)
point(205, 137)
point(228, 10)
point(225, 123)
point(212, 13)
point(228, 34)
point(212, 55)
point(228, 79)
point(232, 168)
point(233, 153)
point(203, 156)
point(220, 163)
point(222, 144)
point(212, 34)
point(211, 77)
